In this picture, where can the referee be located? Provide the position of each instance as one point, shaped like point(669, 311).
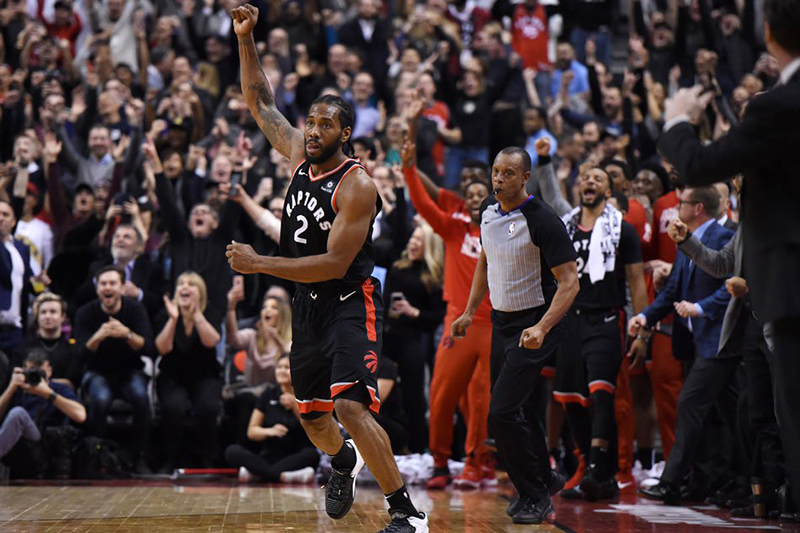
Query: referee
point(526, 250)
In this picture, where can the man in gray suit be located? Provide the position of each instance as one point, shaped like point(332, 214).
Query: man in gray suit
point(742, 333)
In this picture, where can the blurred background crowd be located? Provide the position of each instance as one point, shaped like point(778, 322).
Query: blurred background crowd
point(114, 278)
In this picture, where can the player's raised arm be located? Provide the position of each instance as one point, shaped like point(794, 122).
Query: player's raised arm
point(257, 92)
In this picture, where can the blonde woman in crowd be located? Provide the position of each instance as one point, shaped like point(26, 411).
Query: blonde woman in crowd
point(189, 374)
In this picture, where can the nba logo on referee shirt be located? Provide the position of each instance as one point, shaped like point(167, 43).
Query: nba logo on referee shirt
point(511, 228)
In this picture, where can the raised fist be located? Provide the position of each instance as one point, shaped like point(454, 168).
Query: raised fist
point(244, 19)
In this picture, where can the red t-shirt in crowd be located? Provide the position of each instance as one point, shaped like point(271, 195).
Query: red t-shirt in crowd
point(637, 217)
point(665, 210)
point(529, 36)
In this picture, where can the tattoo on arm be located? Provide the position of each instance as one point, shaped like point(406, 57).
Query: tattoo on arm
point(261, 102)
point(280, 133)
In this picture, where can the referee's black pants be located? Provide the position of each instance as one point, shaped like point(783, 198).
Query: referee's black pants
point(515, 372)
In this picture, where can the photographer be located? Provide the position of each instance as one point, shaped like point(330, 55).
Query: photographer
point(33, 402)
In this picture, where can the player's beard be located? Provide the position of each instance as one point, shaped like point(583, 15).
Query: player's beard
point(598, 199)
point(326, 153)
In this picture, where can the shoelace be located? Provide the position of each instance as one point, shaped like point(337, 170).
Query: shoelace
point(399, 523)
point(339, 482)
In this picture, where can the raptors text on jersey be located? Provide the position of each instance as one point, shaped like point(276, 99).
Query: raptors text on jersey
point(308, 215)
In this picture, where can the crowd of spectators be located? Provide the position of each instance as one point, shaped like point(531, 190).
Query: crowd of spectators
point(129, 159)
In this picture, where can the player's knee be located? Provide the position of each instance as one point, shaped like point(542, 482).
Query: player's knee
point(602, 400)
point(316, 426)
point(349, 411)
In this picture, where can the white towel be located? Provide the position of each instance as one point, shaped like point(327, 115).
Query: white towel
point(603, 243)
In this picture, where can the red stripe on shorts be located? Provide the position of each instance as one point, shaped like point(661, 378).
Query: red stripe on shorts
point(368, 288)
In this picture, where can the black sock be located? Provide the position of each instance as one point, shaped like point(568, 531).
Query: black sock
point(441, 471)
point(399, 501)
point(645, 456)
point(599, 458)
point(345, 460)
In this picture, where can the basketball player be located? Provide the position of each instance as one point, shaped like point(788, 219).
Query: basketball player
point(609, 254)
point(326, 248)
point(527, 264)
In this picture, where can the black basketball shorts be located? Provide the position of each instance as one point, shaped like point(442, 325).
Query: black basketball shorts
point(589, 357)
point(336, 342)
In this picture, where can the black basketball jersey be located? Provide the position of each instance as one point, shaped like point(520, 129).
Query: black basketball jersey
point(308, 215)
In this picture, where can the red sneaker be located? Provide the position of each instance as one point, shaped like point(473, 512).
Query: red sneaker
point(489, 478)
point(470, 478)
point(439, 482)
point(576, 478)
point(626, 483)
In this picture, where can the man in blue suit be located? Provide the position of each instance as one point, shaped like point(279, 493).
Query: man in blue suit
point(699, 301)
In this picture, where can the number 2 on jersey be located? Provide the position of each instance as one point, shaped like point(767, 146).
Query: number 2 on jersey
point(303, 227)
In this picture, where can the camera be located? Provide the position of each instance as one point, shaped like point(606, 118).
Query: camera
point(34, 376)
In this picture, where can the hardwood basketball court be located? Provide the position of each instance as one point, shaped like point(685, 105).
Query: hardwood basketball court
point(154, 507)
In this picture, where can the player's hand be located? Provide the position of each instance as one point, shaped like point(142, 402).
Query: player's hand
point(532, 338)
point(635, 324)
point(677, 230)
point(737, 287)
point(686, 309)
point(409, 155)
point(279, 431)
point(458, 329)
point(242, 258)
point(543, 147)
point(637, 352)
point(244, 19)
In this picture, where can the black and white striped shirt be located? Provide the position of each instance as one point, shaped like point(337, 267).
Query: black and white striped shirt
point(522, 246)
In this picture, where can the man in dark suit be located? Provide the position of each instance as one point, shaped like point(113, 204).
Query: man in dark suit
point(742, 332)
point(145, 279)
point(764, 149)
point(15, 276)
point(699, 301)
point(369, 34)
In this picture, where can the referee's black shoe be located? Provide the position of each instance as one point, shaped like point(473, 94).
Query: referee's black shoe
point(665, 492)
point(594, 488)
point(340, 491)
point(554, 481)
point(532, 512)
